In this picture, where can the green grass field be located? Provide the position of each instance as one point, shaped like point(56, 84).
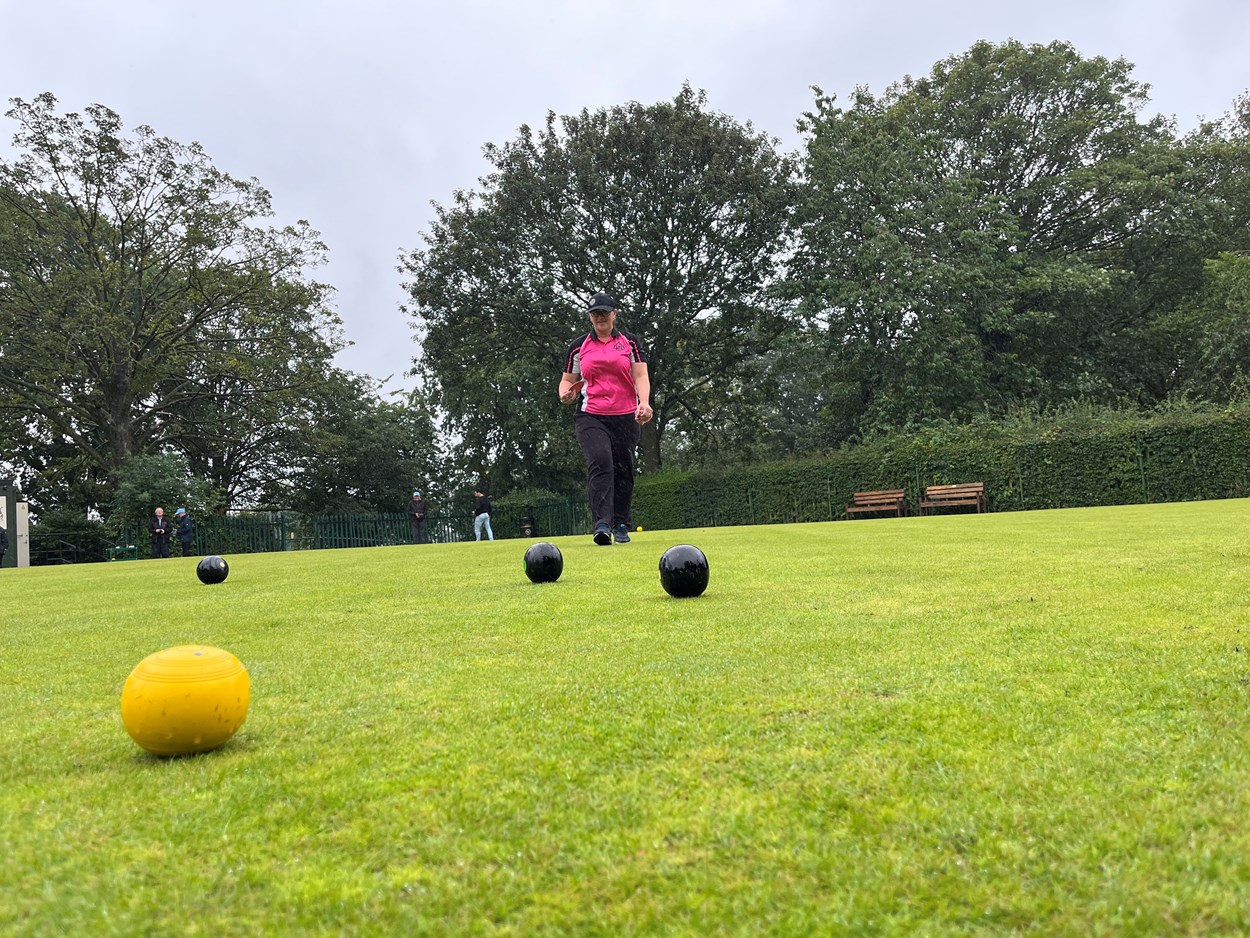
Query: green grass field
point(1007, 723)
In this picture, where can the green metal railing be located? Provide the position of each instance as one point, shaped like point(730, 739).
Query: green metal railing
point(335, 531)
point(60, 547)
point(262, 532)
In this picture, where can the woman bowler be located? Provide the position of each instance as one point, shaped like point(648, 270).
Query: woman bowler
point(605, 373)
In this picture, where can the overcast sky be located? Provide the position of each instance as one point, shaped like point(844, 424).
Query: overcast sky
point(357, 114)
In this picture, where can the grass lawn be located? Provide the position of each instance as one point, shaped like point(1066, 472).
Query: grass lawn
point(1008, 723)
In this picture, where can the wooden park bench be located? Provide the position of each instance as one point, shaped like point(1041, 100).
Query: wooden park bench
point(961, 493)
point(888, 500)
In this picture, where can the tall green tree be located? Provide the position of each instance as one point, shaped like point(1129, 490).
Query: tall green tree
point(144, 304)
point(1004, 229)
point(893, 250)
point(679, 212)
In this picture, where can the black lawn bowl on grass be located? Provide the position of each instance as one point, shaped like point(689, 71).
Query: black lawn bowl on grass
point(543, 562)
point(683, 571)
point(212, 569)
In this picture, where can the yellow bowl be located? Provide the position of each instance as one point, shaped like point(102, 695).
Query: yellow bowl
point(190, 698)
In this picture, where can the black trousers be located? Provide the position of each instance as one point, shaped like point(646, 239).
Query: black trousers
point(188, 548)
point(160, 547)
point(418, 528)
point(609, 443)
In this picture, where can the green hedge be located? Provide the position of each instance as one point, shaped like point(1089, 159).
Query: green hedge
point(1081, 460)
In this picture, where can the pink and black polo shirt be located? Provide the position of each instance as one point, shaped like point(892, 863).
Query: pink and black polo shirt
point(605, 366)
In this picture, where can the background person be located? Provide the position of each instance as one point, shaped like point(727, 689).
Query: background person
point(4, 543)
point(481, 516)
point(186, 532)
point(159, 528)
point(605, 373)
point(416, 518)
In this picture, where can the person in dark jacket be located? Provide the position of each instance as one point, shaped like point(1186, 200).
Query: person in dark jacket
point(481, 516)
point(4, 544)
point(159, 526)
point(416, 518)
point(186, 532)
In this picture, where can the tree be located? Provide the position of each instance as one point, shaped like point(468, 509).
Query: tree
point(1209, 332)
point(355, 451)
point(891, 250)
point(1004, 229)
point(143, 306)
point(1215, 325)
point(678, 212)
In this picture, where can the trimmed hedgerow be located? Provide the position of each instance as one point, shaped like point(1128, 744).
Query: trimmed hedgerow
point(1075, 460)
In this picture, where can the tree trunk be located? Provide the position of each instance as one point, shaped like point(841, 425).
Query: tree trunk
point(651, 446)
point(118, 426)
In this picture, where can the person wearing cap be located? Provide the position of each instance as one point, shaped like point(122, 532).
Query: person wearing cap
point(186, 532)
point(605, 377)
point(416, 518)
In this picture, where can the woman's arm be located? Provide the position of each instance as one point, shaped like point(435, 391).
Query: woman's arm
point(642, 384)
point(570, 384)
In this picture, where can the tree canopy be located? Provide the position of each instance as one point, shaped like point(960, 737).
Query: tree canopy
point(1006, 229)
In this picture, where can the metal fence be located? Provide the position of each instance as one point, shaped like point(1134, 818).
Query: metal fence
point(61, 548)
point(260, 532)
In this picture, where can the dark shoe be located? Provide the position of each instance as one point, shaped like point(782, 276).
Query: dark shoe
point(621, 534)
point(603, 535)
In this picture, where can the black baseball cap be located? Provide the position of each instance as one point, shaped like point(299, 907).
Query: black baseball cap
point(601, 301)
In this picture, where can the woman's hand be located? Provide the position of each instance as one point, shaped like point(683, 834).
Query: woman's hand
point(643, 413)
point(569, 394)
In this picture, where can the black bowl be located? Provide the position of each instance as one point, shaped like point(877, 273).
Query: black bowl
point(543, 562)
point(683, 571)
point(212, 569)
